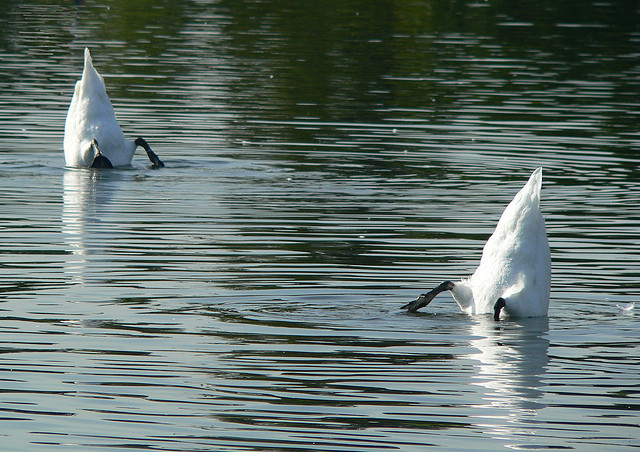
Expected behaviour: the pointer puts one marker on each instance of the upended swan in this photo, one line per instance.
(92, 136)
(514, 274)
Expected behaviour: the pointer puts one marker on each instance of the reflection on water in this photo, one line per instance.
(513, 358)
(87, 194)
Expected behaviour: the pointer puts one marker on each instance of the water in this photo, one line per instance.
(325, 164)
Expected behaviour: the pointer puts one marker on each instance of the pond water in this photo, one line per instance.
(326, 162)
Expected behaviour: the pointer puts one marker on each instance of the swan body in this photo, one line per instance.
(514, 274)
(92, 135)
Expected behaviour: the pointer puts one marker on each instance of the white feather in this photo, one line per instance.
(90, 117)
(626, 308)
(515, 263)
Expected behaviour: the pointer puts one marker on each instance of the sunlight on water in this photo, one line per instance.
(325, 165)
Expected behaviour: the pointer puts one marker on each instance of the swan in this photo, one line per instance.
(92, 136)
(514, 274)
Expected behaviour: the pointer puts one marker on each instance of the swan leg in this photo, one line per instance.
(99, 161)
(426, 298)
(157, 163)
(500, 303)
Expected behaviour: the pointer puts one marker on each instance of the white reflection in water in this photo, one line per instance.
(87, 194)
(512, 360)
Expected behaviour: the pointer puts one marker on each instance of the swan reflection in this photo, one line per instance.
(512, 360)
(87, 195)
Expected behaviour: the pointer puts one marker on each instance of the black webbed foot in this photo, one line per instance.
(426, 298)
(500, 303)
(157, 163)
(99, 161)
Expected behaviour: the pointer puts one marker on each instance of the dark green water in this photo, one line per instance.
(326, 162)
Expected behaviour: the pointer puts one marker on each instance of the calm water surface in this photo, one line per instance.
(326, 162)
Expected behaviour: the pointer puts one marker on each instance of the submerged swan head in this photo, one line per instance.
(92, 120)
(514, 274)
